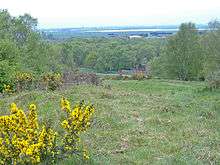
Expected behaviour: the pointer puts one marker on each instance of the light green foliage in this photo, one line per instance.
(107, 54)
(21, 48)
(90, 60)
(8, 64)
(190, 56)
(213, 80)
(211, 42)
(7, 72)
(183, 56)
(67, 57)
(157, 67)
(6, 24)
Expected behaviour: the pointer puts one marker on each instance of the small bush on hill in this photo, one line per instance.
(6, 75)
(23, 81)
(139, 75)
(80, 78)
(52, 81)
(213, 80)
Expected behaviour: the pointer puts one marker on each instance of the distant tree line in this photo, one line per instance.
(186, 55)
(109, 54)
(22, 48)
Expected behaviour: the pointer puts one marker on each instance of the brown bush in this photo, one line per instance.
(80, 78)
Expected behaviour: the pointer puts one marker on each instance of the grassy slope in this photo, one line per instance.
(141, 122)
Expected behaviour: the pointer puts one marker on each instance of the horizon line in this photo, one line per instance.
(120, 26)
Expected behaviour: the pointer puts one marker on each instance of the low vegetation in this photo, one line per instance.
(139, 122)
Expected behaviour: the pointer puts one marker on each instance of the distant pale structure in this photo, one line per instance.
(135, 36)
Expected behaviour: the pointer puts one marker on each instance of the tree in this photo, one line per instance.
(8, 63)
(211, 42)
(67, 59)
(183, 58)
(91, 59)
(6, 25)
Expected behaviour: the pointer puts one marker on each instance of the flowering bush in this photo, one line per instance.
(77, 121)
(139, 75)
(7, 89)
(23, 80)
(52, 81)
(23, 140)
(7, 70)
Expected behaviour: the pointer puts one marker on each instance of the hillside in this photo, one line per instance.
(140, 122)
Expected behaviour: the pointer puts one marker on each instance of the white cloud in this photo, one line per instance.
(53, 13)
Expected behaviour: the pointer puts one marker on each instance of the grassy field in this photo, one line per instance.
(140, 122)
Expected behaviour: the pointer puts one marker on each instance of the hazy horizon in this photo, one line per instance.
(100, 13)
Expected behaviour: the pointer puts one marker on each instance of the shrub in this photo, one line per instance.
(213, 80)
(52, 81)
(25, 141)
(80, 78)
(23, 80)
(125, 77)
(117, 77)
(6, 74)
(8, 89)
(139, 75)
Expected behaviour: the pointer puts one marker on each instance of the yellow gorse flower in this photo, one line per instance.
(7, 88)
(77, 121)
(23, 76)
(23, 141)
(14, 108)
(65, 105)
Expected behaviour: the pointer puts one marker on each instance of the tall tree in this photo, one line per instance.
(183, 53)
(211, 42)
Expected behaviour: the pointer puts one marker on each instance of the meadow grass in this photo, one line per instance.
(140, 122)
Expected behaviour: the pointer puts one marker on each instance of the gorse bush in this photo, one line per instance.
(139, 75)
(8, 89)
(16, 81)
(23, 80)
(23, 140)
(52, 81)
(48, 81)
(6, 74)
(77, 120)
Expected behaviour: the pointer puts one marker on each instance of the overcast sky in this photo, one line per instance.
(78, 13)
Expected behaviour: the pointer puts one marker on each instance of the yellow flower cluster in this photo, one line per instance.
(52, 76)
(7, 88)
(52, 80)
(23, 81)
(23, 141)
(78, 118)
(138, 75)
(77, 121)
(23, 76)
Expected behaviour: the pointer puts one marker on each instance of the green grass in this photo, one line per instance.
(141, 122)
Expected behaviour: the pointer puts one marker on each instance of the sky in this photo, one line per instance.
(99, 13)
